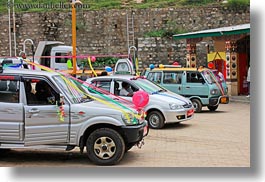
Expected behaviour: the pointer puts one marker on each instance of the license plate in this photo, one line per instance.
(190, 112)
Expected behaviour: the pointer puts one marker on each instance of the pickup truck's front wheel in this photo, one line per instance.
(105, 146)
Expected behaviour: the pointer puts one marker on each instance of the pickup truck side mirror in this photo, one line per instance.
(61, 100)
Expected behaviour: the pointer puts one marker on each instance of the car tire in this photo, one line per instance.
(212, 108)
(155, 120)
(197, 105)
(105, 146)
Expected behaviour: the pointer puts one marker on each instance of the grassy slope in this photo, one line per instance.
(98, 4)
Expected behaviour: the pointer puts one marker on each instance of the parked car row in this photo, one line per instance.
(53, 110)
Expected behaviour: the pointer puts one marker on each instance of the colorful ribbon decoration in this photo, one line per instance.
(60, 112)
(75, 87)
(216, 81)
(91, 67)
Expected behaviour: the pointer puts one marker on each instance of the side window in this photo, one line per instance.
(44, 94)
(151, 76)
(105, 85)
(9, 89)
(127, 89)
(172, 77)
(60, 59)
(30, 92)
(194, 77)
(154, 77)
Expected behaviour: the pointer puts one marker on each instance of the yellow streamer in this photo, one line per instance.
(137, 67)
(75, 87)
(91, 67)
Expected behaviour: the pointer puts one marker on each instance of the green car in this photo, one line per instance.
(202, 86)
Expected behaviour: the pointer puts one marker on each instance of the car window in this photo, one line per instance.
(147, 85)
(208, 76)
(9, 89)
(154, 76)
(40, 92)
(194, 77)
(172, 77)
(72, 89)
(105, 85)
(60, 57)
(119, 88)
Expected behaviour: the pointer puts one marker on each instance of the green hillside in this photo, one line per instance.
(64, 5)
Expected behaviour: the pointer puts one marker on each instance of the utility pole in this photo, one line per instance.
(14, 29)
(74, 33)
(9, 28)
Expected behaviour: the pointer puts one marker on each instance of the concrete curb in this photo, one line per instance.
(242, 99)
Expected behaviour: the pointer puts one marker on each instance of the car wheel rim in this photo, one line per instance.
(104, 147)
(154, 120)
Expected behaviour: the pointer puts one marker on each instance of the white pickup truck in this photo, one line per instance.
(40, 109)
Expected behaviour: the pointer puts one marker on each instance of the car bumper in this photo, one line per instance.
(135, 134)
(219, 100)
(178, 116)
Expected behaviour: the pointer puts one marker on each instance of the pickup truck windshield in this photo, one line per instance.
(148, 86)
(72, 90)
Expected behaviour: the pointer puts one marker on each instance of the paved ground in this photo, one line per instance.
(218, 139)
(210, 139)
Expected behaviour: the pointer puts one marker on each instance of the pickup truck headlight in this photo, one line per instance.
(175, 106)
(214, 92)
(129, 119)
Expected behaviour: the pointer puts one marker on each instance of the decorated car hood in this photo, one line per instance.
(170, 97)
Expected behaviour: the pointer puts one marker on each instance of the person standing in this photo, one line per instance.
(248, 81)
(69, 61)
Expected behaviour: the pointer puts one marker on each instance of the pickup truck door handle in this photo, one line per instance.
(34, 110)
(10, 111)
(188, 87)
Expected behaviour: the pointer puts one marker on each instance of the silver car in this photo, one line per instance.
(163, 107)
(39, 109)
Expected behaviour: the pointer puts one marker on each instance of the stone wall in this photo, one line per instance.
(105, 31)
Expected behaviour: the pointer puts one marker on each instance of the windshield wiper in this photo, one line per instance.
(159, 91)
(86, 99)
(162, 90)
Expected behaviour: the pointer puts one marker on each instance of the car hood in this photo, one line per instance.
(97, 108)
(170, 97)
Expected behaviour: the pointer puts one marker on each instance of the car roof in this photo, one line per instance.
(114, 76)
(177, 69)
(27, 72)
